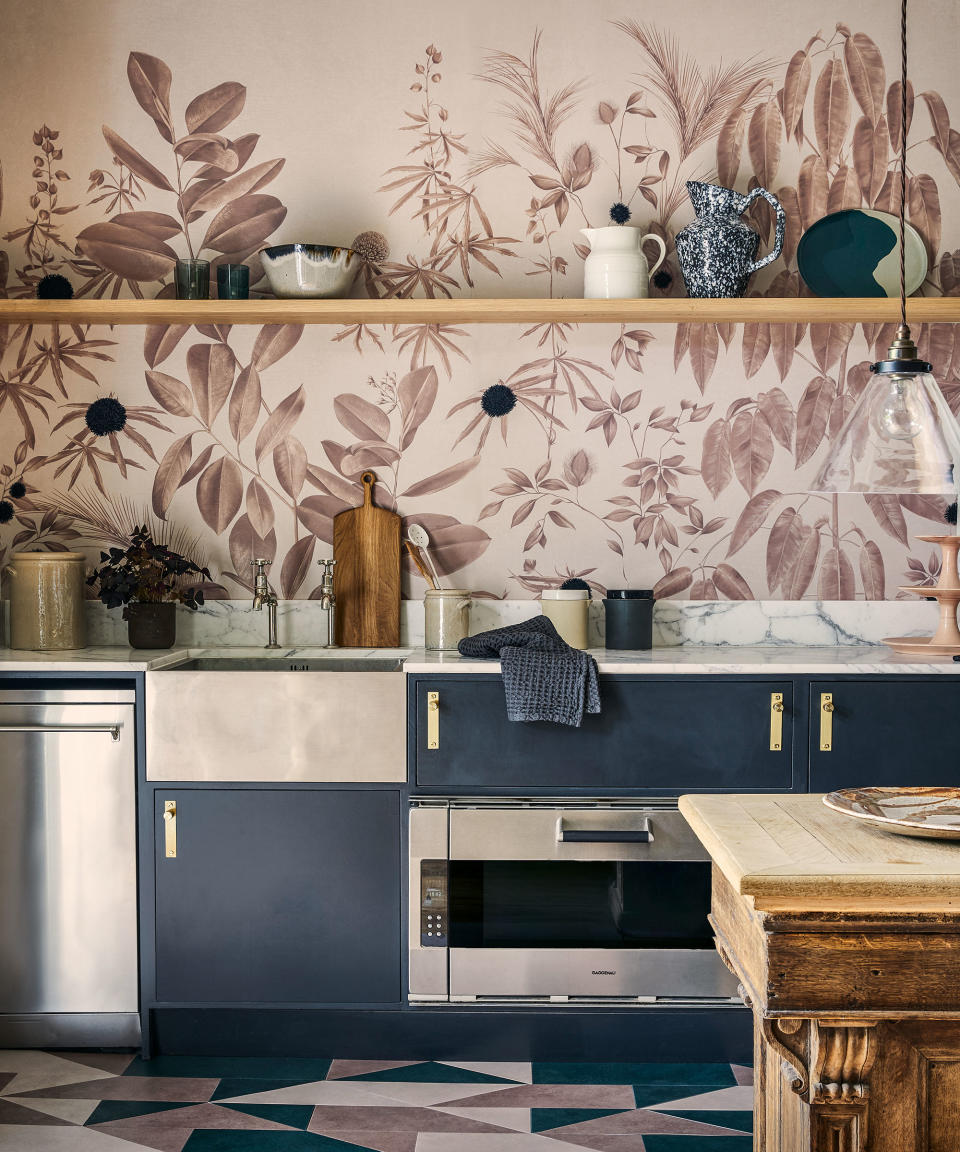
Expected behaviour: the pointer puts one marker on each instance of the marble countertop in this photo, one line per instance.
(728, 659)
(852, 659)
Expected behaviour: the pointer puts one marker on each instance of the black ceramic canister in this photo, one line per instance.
(629, 617)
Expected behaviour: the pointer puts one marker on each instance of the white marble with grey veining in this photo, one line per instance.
(687, 622)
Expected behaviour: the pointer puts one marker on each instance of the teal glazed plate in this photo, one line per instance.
(856, 253)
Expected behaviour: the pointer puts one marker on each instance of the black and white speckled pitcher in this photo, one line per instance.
(717, 251)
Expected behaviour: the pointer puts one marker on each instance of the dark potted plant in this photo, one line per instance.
(148, 579)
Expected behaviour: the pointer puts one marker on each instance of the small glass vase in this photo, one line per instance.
(233, 282)
(192, 279)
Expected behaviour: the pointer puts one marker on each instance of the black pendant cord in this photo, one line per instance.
(903, 162)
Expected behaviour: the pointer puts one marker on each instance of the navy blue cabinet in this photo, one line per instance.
(279, 896)
(653, 736)
(884, 732)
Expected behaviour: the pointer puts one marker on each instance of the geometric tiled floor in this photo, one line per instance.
(79, 1102)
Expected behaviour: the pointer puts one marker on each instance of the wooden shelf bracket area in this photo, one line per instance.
(466, 310)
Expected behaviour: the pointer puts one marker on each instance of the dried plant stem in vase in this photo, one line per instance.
(946, 640)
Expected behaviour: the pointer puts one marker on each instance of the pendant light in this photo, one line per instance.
(901, 435)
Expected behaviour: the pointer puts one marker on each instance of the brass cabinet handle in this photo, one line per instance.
(826, 721)
(776, 721)
(170, 828)
(433, 720)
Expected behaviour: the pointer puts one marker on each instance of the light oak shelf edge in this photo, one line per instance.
(473, 311)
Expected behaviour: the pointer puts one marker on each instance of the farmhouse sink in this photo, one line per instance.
(290, 664)
(286, 718)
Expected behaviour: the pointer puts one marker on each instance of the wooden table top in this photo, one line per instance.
(792, 852)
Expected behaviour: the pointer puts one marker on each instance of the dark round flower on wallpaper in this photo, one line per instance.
(18, 490)
(54, 287)
(498, 400)
(6, 511)
(106, 415)
(619, 213)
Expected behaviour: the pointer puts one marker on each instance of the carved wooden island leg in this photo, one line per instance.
(856, 1026)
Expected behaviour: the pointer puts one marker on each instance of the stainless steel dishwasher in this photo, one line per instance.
(68, 892)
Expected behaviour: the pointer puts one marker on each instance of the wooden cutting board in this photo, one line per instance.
(366, 547)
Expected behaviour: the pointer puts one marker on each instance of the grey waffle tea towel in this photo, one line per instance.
(543, 677)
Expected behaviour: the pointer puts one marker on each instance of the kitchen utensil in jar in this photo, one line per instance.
(417, 557)
(419, 535)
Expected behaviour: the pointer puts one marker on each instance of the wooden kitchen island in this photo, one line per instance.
(846, 942)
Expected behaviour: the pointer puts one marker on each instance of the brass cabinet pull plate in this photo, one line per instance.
(826, 721)
(433, 720)
(170, 828)
(776, 721)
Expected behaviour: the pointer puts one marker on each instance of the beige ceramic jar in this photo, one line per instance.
(46, 600)
(568, 608)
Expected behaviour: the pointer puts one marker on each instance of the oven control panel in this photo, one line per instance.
(433, 903)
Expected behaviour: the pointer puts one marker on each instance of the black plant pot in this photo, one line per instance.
(152, 625)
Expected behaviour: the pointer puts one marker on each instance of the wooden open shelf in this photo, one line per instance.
(473, 311)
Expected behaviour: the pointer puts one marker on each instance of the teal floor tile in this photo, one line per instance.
(296, 1069)
(209, 1140)
(714, 1075)
(430, 1072)
(293, 1115)
(649, 1095)
(108, 1110)
(231, 1086)
(661, 1143)
(542, 1119)
(742, 1121)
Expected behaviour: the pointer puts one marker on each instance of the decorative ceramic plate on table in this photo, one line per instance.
(930, 812)
(856, 253)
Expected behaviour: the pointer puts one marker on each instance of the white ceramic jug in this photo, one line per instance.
(616, 267)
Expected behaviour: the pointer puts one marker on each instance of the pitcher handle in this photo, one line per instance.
(663, 249)
(781, 226)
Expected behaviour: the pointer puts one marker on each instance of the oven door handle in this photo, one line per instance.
(641, 835)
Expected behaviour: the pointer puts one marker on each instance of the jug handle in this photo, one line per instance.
(781, 226)
(663, 249)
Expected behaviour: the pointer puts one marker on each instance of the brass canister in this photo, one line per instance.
(46, 601)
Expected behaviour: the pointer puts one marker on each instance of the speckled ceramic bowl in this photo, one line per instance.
(310, 271)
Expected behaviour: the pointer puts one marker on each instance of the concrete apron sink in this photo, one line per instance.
(290, 664)
(284, 718)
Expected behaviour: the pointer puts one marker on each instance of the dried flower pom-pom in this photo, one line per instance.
(6, 511)
(575, 584)
(372, 246)
(498, 400)
(619, 213)
(18, 489)
(106, 415)
(54, 287)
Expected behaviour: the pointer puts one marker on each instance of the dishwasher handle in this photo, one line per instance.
(58, 729)
(641, 835)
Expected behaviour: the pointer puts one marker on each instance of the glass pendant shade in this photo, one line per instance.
(899, 437)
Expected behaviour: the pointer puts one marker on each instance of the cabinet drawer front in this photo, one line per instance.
(656, 736)
(884, 733)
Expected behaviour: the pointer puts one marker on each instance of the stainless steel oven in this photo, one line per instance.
(559, 900)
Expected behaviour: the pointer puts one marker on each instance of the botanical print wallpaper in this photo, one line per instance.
(479, 141)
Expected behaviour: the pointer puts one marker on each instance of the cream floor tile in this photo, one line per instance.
(723, 1099)
(521, 1070)
(74, 1111)
(344, 1093)
(35, 1069)
(516, 1118)
(20, 1138)
(486, 1142)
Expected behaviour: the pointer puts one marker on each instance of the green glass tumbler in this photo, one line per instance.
(233, 282)
(192, 278)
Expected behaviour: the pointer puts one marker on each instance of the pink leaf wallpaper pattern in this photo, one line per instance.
(674, 457)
